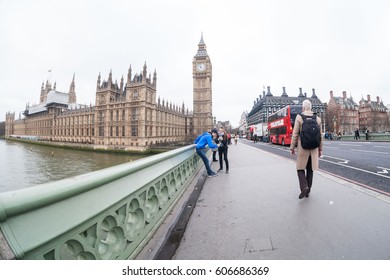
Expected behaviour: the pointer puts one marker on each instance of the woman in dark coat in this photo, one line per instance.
(223, 149)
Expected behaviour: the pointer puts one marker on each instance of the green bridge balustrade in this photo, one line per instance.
(378, 136)
(106, 214)
(372, 136)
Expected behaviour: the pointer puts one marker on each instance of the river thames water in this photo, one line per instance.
(25, 165)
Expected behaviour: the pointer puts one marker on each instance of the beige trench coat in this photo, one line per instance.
(303, 155)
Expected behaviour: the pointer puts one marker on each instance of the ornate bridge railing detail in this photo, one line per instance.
(106, 214)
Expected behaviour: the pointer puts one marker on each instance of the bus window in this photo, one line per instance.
(294, 111)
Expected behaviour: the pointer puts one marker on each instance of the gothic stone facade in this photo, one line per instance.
(133, 117)
(126, 116)
(202, 78)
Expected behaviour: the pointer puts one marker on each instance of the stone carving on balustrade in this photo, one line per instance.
(121, 228)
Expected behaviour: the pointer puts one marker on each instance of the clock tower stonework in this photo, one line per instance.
(202, 77)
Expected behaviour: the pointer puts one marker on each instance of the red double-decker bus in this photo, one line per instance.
(281, 124)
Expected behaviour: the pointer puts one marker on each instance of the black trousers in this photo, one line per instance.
(224, 152)
(306, 180)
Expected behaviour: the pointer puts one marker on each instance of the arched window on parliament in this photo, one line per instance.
(134, 130)
(135, 95)
(134, 114)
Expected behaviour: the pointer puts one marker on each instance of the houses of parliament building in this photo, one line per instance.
(125, 116)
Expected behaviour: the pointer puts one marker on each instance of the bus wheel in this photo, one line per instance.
(282, 142)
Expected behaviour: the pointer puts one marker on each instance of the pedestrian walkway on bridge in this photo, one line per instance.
(254, 213)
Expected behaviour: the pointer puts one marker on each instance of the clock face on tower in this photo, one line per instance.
(200, 67)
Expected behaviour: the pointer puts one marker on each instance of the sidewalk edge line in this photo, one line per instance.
(373, 192)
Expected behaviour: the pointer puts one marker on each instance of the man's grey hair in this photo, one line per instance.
(306, 105)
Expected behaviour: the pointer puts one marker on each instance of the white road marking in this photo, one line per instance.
(345, 161)
(352, 145)
(384, 170)
(373, 152)
(359, 169)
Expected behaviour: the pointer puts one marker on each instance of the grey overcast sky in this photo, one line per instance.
(339, 45)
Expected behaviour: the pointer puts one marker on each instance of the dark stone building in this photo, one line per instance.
(268, 104)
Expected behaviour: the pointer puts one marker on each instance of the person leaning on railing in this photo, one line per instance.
(203, 140)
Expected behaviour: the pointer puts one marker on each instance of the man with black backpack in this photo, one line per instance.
(307, 137)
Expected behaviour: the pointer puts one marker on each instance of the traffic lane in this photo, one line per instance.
(372, 165)
(366, 160)
(337, 165)
(383, 146)
(366, 157)
(372, 170)
(368, 151)
(370, 162)
(366, 176)
(380, 148)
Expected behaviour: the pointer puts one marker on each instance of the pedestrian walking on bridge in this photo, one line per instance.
(307, 159)
(357, 134)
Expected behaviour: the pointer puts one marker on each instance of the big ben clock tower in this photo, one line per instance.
(202, 76)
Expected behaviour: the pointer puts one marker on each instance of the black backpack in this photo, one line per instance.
(310, 132)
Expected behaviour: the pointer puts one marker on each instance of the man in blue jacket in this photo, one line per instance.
(200, 145)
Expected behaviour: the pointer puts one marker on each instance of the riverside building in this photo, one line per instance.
(125, 116)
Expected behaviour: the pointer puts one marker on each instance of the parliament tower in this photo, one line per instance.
(202, 77)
